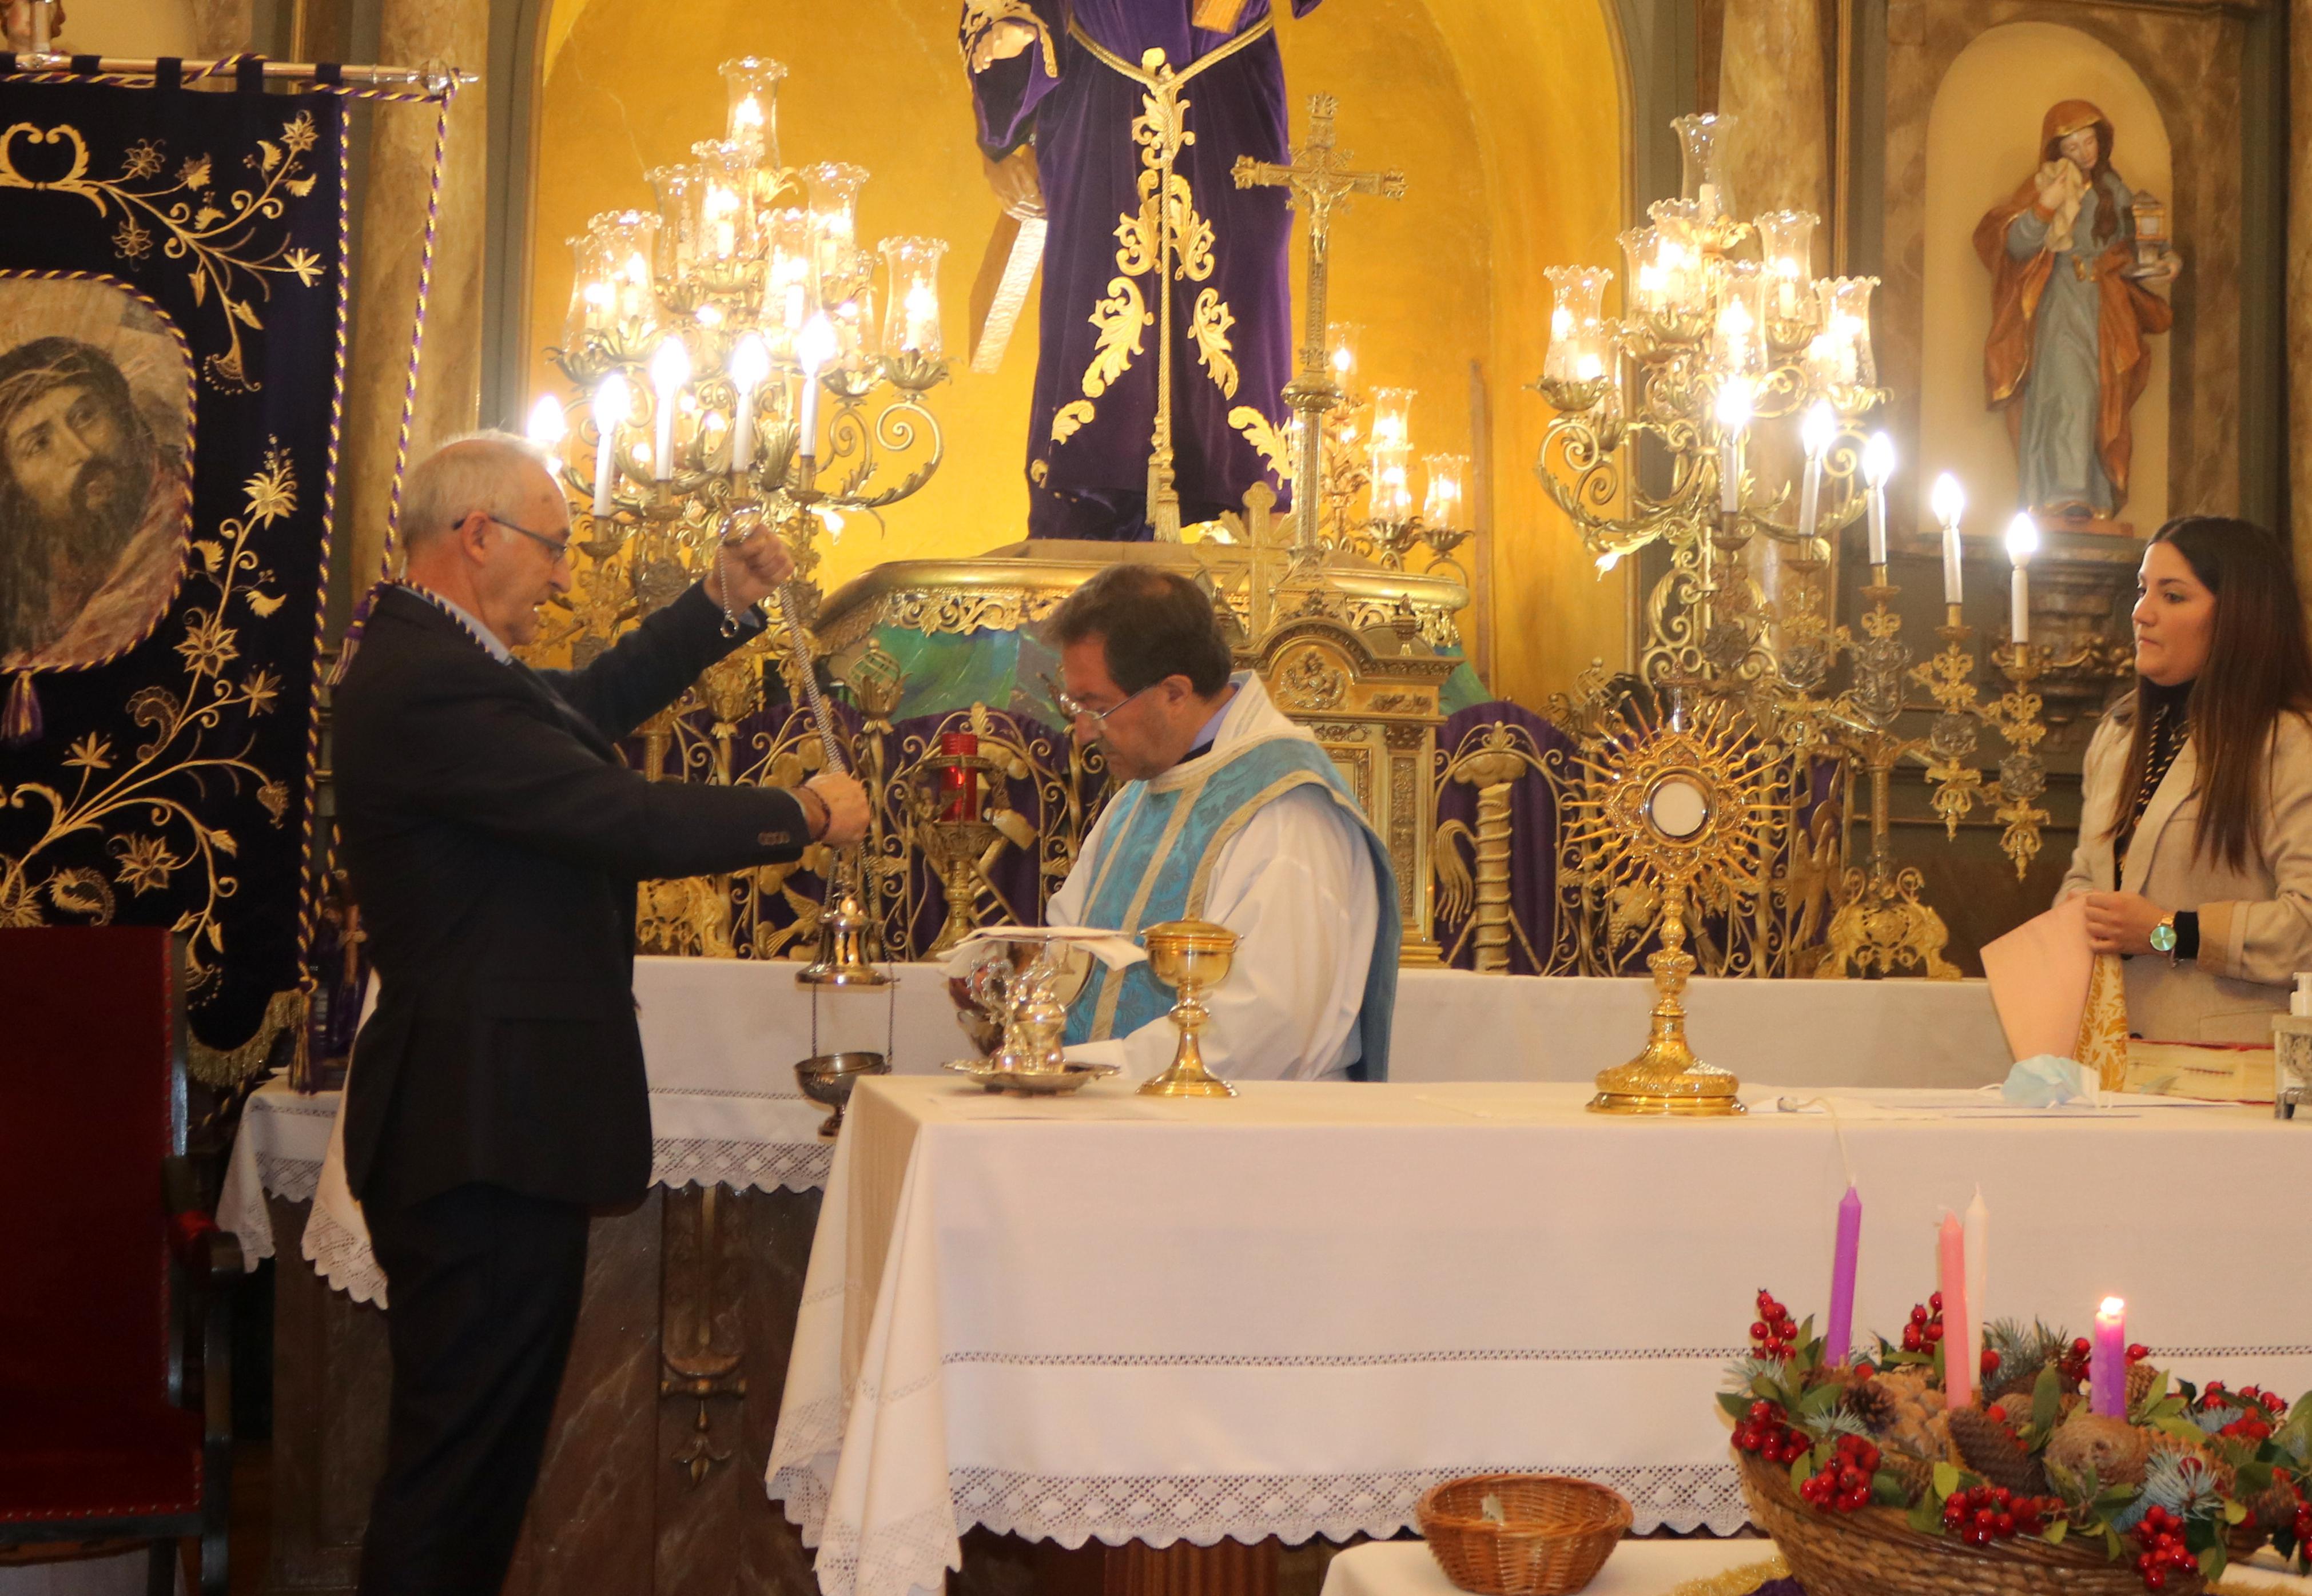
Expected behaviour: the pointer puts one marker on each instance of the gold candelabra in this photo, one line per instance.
(1672, 422)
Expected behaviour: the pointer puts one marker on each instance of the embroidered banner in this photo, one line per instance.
(171, 357)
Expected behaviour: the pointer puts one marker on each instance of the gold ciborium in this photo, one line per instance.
(1189, 956)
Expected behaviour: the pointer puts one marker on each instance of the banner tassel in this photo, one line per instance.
(20, 726)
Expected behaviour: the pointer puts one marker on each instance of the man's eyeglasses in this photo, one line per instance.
(1076, 709)
(559, 548)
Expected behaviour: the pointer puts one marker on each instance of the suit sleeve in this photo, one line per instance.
(649, 667)
(488, 757)
(2268, 940)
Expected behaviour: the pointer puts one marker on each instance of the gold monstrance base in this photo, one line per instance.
(1666, 1077)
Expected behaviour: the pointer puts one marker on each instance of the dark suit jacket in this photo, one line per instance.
(494, 842)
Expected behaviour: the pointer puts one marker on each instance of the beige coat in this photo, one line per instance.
(2255, 922)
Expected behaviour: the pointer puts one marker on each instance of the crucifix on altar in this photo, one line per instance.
(1321, 183)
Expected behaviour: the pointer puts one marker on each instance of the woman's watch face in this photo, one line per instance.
(2163, 936)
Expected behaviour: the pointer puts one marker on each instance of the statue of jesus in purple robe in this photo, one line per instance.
(1058, 86)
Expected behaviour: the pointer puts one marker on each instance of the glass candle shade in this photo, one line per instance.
(834, 213)
(857, 334)
(911, 319)
(1641, 271)
(791, 294)
(753, 84)
(1392, 482)
(1737, 337)
(1786, 251)
(612, 292)
(1679, 257)
(959, 784)
(591, 292)
(1440, 506)
(726, 210)
(678, 188)
(1340, 341)
(1577, 319)
(1702, 142)
(1844, 343)
(1392, 417)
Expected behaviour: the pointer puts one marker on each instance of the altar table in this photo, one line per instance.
(1289, 1314)
(721, 1036)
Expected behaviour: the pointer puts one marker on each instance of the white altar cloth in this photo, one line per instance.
(721, 1036)
(1291, 1313)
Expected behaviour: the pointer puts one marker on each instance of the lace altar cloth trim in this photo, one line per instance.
(295, 1179)
(763, 1166)
(1296, 1507)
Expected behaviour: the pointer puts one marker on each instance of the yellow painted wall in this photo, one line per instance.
(1505, 115)
(1982, 140)
(135, 28)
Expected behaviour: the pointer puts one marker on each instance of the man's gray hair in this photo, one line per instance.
(482, 471)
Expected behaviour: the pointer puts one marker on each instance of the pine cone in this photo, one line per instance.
(2274, 1508)
(2140, 1379)
(1917, 1424)
(1991, 1449)
(2113, 1448)
(1873, 1403)
(1917, 1473)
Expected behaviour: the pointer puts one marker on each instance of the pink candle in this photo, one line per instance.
(1839, 1336)
(1958, 1380)
(2107, 1369)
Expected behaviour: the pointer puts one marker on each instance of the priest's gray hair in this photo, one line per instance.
(487, 471)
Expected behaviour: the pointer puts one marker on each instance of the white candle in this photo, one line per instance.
(1733, 421)
(1878, 466)
(814, 347)
(2022, 543)
(669, 369)
(1978, 1273)
(1820, 427)
(609, 415)
(751, 363)
(1949, 503)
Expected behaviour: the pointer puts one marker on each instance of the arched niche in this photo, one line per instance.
(1982, 140)
(1507, 118)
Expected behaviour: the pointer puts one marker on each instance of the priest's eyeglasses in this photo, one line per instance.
(1075, 709)
(559, 548)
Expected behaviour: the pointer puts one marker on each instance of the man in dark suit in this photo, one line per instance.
(494, 841)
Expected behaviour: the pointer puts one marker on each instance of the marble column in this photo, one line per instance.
(2300, 279)
(1770, 78)
(412, 33)
(222, 27)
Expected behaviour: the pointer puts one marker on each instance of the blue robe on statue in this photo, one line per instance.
(1074, 92)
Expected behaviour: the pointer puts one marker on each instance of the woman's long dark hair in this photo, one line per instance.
(2258, 669)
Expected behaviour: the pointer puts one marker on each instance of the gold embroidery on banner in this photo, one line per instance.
(214, 232)
(979, 16)
(1119, 318)
(1210, 328)
(150, 821)
(1068, 418)
(1271, 441)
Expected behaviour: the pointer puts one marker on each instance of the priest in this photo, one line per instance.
(1228, 813)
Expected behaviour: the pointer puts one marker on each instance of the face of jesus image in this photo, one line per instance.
(76, 465)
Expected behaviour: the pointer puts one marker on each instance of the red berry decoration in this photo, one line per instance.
(2161, 1553)
(1926, 1326)
(1982, 1514)
(1990, 1362)
(1772, 1334)
(1843, 1485)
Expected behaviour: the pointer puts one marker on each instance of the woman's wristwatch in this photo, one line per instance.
(2177, 935)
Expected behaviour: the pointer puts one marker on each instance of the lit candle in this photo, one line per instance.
(1949, 503)
(1877, 465)
(1733, 420)
(1839, 1338)
(2107, 1366)
(609, 415)
(815, 345)
(1978, 1275)
(751, 363)
(1820, 427)
(1958, 1380)
(547, 428)
(921, 309)
(2022, 543)
(669, 369)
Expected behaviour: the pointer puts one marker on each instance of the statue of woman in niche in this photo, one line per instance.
(2070, 308)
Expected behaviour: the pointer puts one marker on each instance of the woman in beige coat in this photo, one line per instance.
(2195, 830)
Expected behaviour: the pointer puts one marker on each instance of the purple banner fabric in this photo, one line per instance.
(1533, 838)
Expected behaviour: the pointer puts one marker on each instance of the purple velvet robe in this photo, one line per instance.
(1091, 482)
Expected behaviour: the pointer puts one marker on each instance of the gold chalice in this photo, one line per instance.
(1189, 956)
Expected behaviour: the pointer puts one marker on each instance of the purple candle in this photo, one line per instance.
(2107, 1368)
(1838, 1337)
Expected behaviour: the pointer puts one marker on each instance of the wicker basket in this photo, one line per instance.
(1553, 1536)
(1875, 1552)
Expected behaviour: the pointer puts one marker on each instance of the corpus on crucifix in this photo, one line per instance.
(1166, 327)
(1321, 181)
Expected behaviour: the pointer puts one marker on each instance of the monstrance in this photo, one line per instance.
(1682, 810)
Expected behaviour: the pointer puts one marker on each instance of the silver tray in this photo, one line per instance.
(1030, 1083)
